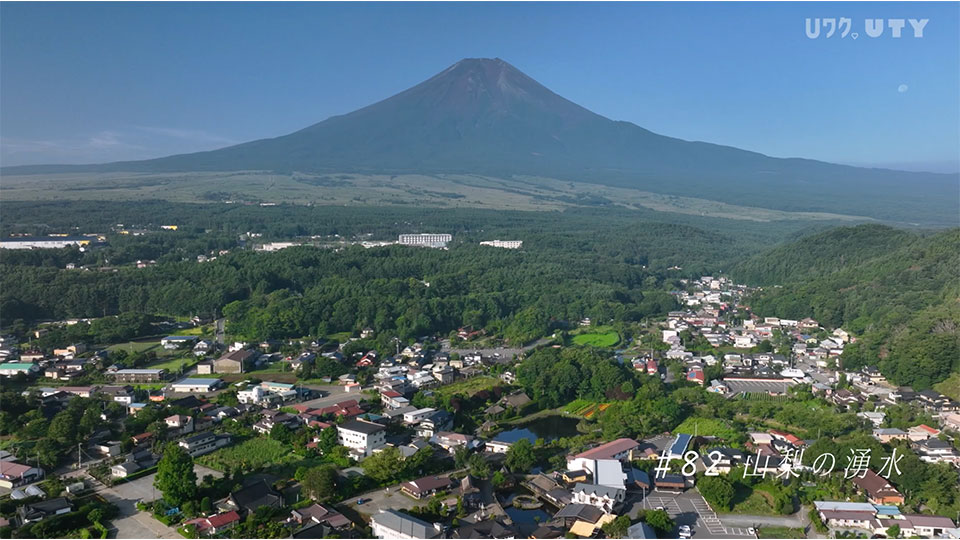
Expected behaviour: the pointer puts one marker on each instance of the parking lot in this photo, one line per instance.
(689, 508)
(758, 386)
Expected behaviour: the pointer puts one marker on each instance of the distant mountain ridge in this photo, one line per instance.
(485, 117)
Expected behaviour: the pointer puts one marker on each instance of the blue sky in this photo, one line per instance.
(93, 82)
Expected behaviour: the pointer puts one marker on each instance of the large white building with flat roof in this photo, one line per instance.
(506, 244)
(425, 240)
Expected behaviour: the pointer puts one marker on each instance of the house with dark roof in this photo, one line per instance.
(486, 528)
(877, 489)
(318, 513)
(38, 511)
(426, 486)
(249, 498)
(574, 512)
(361, 437)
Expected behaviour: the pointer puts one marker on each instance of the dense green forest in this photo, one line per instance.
(609, 266)
(570, 267)
(897, 291)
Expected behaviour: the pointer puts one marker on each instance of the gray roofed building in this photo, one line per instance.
(578, 511)
(393, 524)
(641, 530)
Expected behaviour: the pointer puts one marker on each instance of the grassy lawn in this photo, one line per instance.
(599, 337)
(748, 501)
(195, 331)
(781, 532)
(173, 365)
(137, 347)
(250, 454)
(150, 386)
(340, 337)
(468, 387)
(707, 426)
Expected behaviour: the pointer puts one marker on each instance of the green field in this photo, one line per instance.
(708, 426)
(781, 532)
(597, 338)
(174, 365)
(137, 347)
(469, 386)
(751, 502)
(250, 454)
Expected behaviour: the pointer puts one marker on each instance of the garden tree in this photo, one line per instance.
(478, 466)
(206, 506)
(328, 439)
(617, 528)
(63, 428)
(320, 483)
(175, 476)
(461, 456)
(96, 515)
(893, 531)
(384, 466)
(498, 480)
(282, 433)
(420, 460)
(189, 508)
(661, 522)
(227, 398)
(520, 456)
(717, 491)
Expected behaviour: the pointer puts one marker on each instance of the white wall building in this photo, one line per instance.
(362, 437)
(425, 240)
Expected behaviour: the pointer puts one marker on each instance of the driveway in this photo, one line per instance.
(382, 499)
(132, 523)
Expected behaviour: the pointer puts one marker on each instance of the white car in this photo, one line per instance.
(752, 531)
(685, 531)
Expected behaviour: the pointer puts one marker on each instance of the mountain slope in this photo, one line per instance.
(899, 293)
(483, 116)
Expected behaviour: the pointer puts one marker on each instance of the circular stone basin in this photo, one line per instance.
(526, 502)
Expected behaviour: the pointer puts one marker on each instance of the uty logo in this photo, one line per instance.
(872, 27)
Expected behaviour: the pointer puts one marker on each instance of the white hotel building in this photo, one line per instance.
(425, 240)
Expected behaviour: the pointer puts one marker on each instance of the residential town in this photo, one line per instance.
(448, 438)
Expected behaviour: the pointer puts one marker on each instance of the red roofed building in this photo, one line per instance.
(603, 457)
(347, 409)
(215, 524)
(16, 474)
(652, 367)
(696, 375)
(784, 436)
